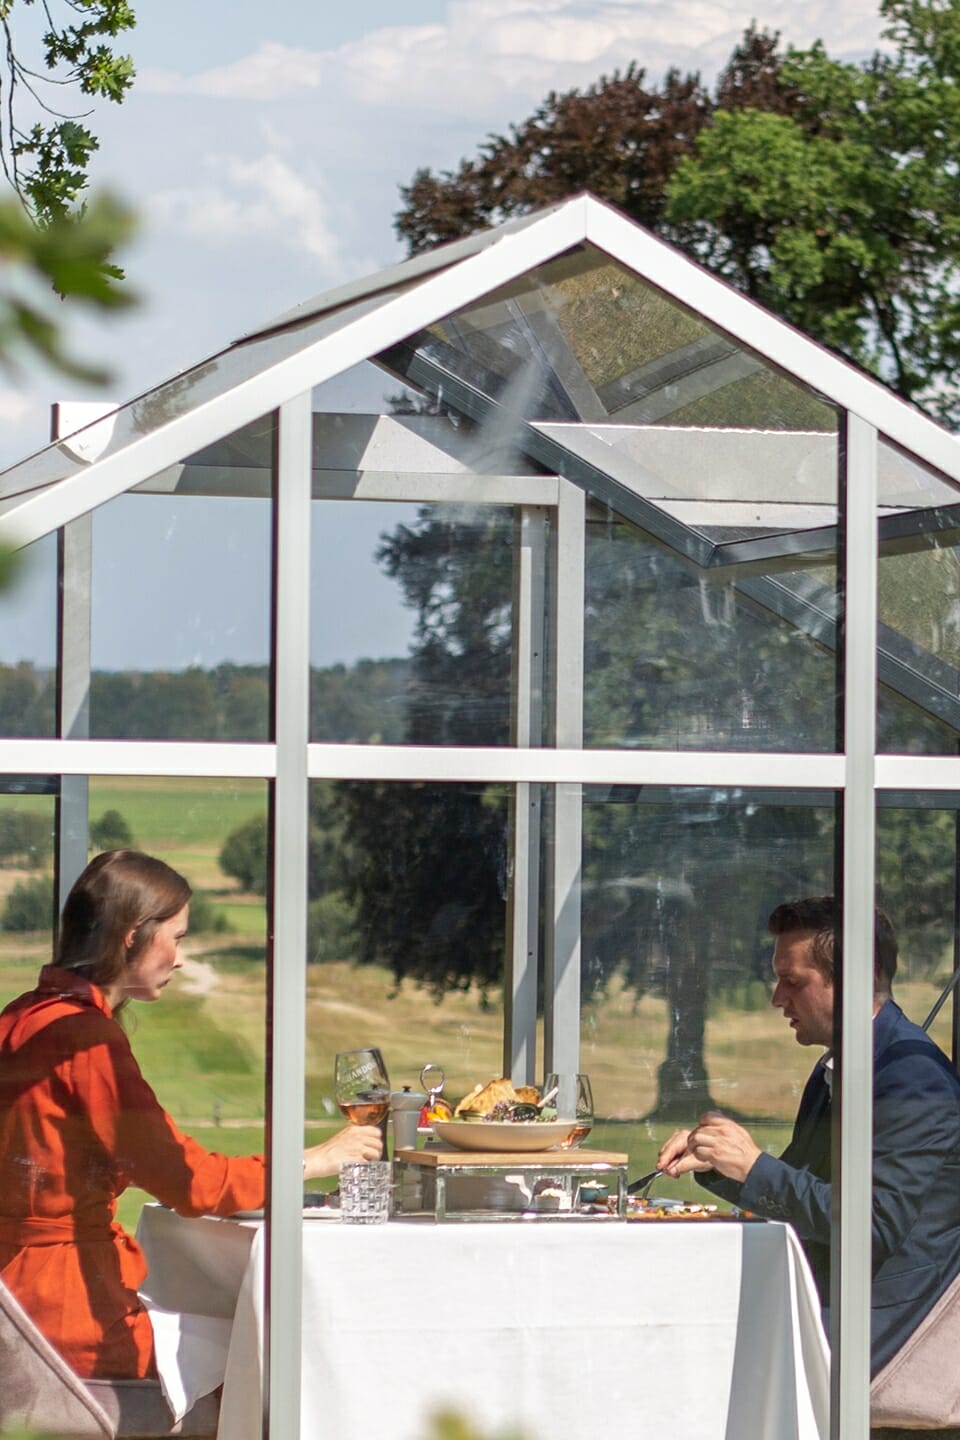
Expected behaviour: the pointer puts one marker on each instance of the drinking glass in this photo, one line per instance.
(361, 1086)
(365, 1191)
(573, 1102)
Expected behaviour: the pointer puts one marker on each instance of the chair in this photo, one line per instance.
(39, 1391)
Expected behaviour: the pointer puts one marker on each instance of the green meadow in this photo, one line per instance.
(203, 1046)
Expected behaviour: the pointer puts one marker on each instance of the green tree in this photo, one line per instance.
(30, 905)
(110, 832)
(49, 230)
(825, 190)
(243, 855)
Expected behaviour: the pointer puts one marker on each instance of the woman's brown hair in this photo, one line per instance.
(120, 891)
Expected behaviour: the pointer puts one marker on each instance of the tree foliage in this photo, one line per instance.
(825, 190)
(54, 241)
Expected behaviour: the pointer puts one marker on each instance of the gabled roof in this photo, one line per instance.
(375, 318)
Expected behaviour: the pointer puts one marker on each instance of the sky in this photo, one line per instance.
(263, 145)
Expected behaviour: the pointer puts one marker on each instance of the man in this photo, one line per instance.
(916, 1134)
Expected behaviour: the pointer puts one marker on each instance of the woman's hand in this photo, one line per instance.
(354, 1142)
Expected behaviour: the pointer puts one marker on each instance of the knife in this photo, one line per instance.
(644, 1182)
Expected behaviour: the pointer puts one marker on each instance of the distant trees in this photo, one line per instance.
(29, 905)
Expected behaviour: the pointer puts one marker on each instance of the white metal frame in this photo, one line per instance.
(291, 761)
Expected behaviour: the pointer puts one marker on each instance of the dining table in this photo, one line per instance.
(553, 1329)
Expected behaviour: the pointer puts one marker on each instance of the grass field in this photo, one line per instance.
(203, 1046)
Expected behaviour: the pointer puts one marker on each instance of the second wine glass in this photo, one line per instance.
(361, 1086)
(573, 1099)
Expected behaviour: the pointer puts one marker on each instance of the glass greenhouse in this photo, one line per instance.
(517, 626)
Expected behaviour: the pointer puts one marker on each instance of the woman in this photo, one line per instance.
(78, 1123)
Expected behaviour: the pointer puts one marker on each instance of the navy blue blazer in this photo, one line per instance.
(916, 1180)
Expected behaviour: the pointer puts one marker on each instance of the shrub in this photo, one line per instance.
(25, 836)
(29, 906)
(110, 832)
(205, 918)
(330, 929)
(244, 855)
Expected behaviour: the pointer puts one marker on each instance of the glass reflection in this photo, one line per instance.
(583, 338)
(431, 588)
(916, 885)
(918, 601)
(28, 645)
(27, 839)
(180, 607)
(678, 659)
(408, 897)
(676, 1012)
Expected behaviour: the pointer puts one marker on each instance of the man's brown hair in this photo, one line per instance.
(822, 917)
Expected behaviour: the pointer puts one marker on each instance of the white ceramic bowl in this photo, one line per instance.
(504, 1136)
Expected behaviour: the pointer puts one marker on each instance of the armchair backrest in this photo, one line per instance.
(38, 1390)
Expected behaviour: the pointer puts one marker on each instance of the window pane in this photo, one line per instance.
(582, 338)
(181, 600)
(677, 986)
(411, 616)
(28, 645)
(27, 833)
(918, 602)
(679, 658)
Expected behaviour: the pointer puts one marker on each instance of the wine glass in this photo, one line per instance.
(361, 1086)
(574, 1102)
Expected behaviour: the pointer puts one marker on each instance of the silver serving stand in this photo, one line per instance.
(459, 1185)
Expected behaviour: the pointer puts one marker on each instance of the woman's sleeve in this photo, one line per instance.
(144, 1145)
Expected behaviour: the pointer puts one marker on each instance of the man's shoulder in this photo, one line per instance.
(905, 1048)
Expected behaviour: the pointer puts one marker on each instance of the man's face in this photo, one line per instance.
(803, 992)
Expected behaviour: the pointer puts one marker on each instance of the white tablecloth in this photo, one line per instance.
(710, 1331)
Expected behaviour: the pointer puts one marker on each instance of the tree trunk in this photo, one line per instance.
(683, 1085)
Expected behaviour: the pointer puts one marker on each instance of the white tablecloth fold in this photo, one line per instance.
(192, 1355)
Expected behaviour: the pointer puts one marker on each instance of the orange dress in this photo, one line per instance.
(78, 1124)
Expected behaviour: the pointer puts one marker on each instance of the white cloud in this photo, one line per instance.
(246, 199)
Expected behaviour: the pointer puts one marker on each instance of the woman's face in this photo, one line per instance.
(145, 977)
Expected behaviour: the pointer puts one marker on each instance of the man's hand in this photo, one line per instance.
(676, 1158)
(355, 1142)
(722, 1145)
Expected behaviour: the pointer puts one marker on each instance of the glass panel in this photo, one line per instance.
(27, 838)
(676, 1016)
(678, 658)
(583, 338)
(917, 886)
(102, 1142)
(918, 602)
(28, 645)
(181, 600)
(411, 616)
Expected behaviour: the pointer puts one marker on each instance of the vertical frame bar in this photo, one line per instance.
(853, 1020)
(526, 726)
(288, 971)
(565, 853)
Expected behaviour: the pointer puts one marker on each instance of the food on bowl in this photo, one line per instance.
(439, 1109)
(498, 1100)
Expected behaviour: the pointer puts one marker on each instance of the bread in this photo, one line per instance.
(482, 1098)
(528, 1094)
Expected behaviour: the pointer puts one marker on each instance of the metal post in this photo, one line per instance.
(526, 710)
(74, 597)
(564, 852)
(853, 1024)
(289, 919)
